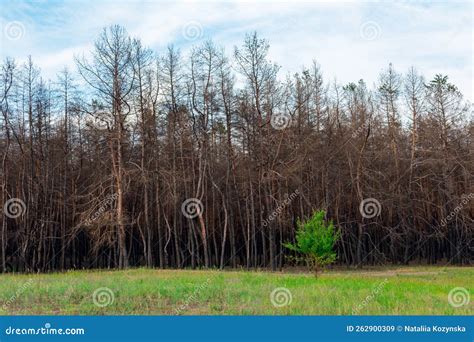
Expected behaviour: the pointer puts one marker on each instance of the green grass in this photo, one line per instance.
(388, 291)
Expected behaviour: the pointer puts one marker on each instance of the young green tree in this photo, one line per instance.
(315, 240)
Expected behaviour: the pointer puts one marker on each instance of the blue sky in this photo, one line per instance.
(350, 40)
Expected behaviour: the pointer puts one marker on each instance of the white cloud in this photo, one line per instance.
(435, 37)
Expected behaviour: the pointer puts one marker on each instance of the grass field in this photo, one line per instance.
(388, 291)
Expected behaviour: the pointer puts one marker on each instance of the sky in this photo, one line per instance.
(350, 40)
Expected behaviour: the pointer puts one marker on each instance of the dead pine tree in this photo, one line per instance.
(111, 74)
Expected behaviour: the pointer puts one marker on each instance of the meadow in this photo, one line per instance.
(387, 291)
